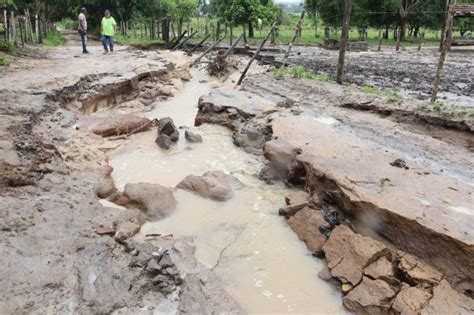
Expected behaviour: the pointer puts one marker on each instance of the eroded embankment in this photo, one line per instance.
(402, 202)
(56, 250)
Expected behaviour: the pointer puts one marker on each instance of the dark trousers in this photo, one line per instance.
(110, 40)
(84, 40)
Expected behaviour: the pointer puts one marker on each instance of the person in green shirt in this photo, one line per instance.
(107, 30)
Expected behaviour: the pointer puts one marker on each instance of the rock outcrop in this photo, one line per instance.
(410, 300)
(370, 297)
(306, 224)
(348, 253)
(215, 185)
(446, 300)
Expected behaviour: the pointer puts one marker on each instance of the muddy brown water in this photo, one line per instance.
(262, 263)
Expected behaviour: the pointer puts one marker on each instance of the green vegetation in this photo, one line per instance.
(53, 39)
(369, 89)
(3, 62)
(438, 106)
(7, 47)
(295, 71)
(393, 95)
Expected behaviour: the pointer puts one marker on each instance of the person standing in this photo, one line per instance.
(83, 29)
(107, 30)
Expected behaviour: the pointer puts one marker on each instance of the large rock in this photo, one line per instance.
(417, 271)
(215, 185)
(167, 133)
(410, 301)
(280, 153)
(348, 253)
(421, 211)
(296, 197)
(120, 124)
(446, 300)
(382, 269)
(370, 297)
(154, 200)
(227, 107)
(306, 224)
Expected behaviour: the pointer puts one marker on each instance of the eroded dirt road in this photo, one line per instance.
(399, 180)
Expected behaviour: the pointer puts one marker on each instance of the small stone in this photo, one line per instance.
(192, 137)
(346, 287)
(289, 211)
(164, 142)
(166, 262)
(106, 231)
(127, 230)
(417, 270)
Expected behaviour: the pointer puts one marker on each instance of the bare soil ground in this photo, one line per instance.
(53, 258)
(410, 70)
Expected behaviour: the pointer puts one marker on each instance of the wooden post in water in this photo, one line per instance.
(297, 31)
(242, 76)
(442, 56)
(344, 36)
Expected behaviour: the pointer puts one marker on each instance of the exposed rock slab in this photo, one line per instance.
(215, 185)
(296, 197)
(228, 107)
(348, 253)
(410, 301)
(446, 300)
(420, 210)
(381, 269)
(306, 224)
(154, 200)
(370, 297)
(120, 124)
(417, 271)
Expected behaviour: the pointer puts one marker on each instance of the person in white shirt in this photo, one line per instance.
(83, 29)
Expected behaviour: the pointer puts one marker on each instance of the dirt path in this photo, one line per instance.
(53, 259)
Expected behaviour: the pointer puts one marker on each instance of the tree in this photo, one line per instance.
(246, 12)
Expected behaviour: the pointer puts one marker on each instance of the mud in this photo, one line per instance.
(410, 70)
(56, 252)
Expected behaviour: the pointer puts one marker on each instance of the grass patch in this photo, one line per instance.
(53, 39)
(7, 47)
(3, 62)
(369, 89)
(393, 95)
(298, 72)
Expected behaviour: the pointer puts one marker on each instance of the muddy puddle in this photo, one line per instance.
(262, 263)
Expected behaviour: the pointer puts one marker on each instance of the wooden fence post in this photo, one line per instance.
(442, 56)
(5, 24)
(13, 27)
(380, 40)
(398, 39)
(344, 36)
(297, 29)
(242, 76)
